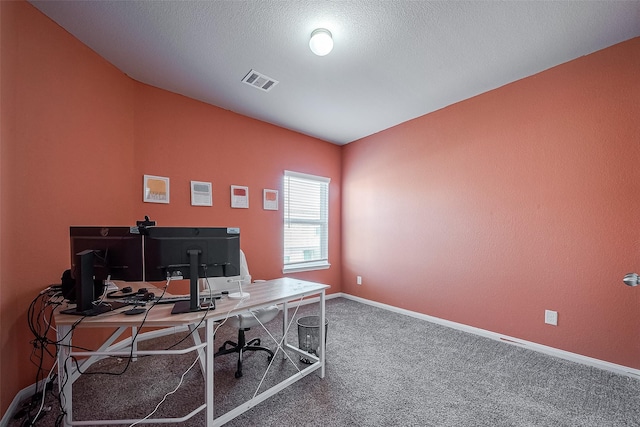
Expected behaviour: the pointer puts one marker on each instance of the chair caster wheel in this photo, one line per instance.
(238, 374)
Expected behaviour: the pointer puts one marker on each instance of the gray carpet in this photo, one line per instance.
(382, 369)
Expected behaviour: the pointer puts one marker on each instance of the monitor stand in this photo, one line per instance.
(195, 303)
(97, 309)
(180, 307)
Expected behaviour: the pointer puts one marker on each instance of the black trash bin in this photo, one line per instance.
(309, 335)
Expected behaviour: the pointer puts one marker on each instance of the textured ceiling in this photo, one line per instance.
(392, 60)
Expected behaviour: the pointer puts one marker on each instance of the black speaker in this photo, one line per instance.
(85, 287)
(68, 286)
(86, 290)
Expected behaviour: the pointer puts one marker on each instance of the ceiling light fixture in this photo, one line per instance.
(321, 42)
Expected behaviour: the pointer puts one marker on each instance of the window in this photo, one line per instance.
(306, 222)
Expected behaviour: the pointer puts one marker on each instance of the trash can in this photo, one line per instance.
(309, 335)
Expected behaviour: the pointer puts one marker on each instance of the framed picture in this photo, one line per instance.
(270, 200)
(201, 194)
(156, 189)
(239, 197)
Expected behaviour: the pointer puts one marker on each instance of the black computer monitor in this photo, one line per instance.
(118, 251)
(100, 253)
(191, 253)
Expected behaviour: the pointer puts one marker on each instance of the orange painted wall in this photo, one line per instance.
(519, 200)
(486, 213)
(66, 158)
(77, 137)
(187, 140)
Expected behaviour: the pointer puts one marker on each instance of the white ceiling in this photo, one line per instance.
(392, 60)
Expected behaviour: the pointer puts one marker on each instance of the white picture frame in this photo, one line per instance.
(201, 193)
(155, 189)
(239, 197)
(269, 199)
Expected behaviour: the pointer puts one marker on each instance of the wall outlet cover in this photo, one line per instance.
(551, 317)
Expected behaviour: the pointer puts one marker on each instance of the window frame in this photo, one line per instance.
(316, 264)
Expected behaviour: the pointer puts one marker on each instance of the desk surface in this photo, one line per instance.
(159, 315)
(262, 294)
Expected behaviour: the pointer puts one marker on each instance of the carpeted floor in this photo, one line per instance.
(383, 369)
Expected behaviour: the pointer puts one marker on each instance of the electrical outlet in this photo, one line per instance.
(358, 280)
(551, 317)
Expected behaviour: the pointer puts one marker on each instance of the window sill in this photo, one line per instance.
(323, 265)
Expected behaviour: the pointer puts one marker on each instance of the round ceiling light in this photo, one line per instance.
(321, 42)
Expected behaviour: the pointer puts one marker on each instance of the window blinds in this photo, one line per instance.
(306, 221)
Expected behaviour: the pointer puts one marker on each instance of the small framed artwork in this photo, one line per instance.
(201, 194)
(239, 197)
(156, 189)
(270, 200)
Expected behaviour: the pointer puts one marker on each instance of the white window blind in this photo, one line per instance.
(306, 222)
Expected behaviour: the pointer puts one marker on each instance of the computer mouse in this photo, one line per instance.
(148, 296)
(133, 311)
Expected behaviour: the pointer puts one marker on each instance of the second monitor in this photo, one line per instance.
(191, 253)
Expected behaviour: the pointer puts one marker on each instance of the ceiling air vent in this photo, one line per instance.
(259, 81)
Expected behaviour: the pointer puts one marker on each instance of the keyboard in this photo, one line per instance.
(171, 299)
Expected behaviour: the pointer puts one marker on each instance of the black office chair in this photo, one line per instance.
(245, 322)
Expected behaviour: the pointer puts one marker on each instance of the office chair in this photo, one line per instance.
(244, 322)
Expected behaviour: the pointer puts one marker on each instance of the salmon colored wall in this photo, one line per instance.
(485, 213)
(77, 137)
(67, 158)
(519, 200)
(187, 140)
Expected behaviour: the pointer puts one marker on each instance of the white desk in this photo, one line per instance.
(278, 291)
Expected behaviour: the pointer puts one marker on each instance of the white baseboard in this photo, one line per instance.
(22, 395)
(562, 354)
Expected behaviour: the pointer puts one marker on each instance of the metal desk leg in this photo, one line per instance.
(322, 334)
(285, 322)
(65, 380)
(201, 353)
(208, 382)
(134, 343)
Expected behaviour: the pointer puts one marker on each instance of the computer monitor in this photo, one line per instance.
(100, 253)
(191, 253)
(118, 251)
